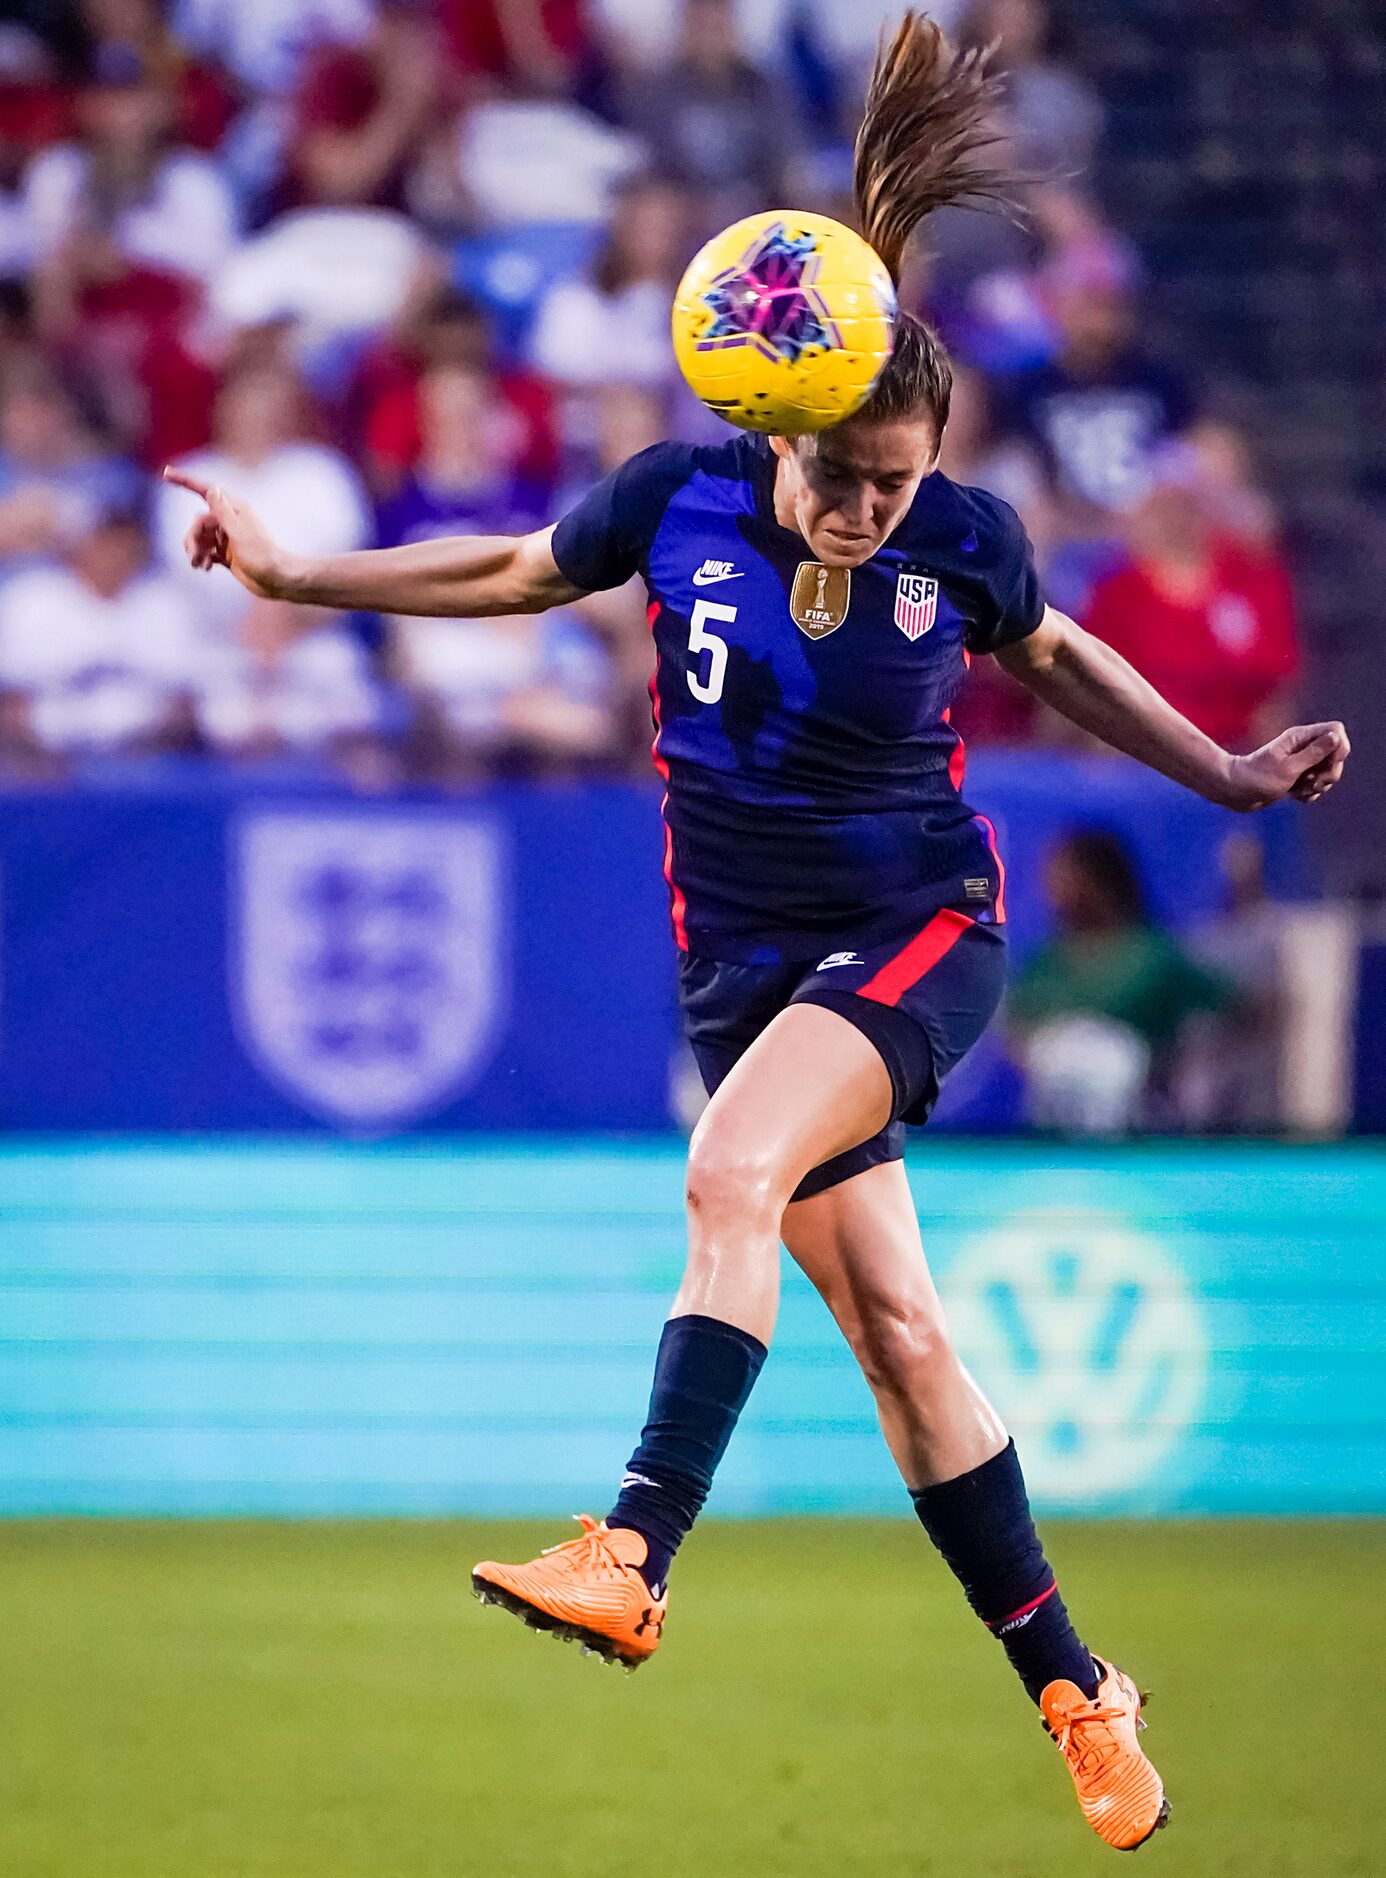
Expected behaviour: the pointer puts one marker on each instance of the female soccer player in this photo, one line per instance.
(839, 909)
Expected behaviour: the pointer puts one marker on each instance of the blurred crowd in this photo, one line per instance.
(397, 268)
(1121, 1027)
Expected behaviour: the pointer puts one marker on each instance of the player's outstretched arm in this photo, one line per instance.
(459, 577)
(1094, 687)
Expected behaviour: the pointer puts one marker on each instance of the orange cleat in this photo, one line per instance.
(588, 1591)
(1122, 1796)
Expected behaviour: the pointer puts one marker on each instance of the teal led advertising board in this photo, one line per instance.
(217, 1328)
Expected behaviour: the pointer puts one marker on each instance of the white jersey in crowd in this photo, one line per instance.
(847, 30)
(100, 674)
(310, 494)
(188, 223)
(320, 688)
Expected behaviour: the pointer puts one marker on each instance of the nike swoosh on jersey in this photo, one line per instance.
(700, 579)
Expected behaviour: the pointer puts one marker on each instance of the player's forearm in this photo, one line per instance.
(459, 577)
(1094, 687)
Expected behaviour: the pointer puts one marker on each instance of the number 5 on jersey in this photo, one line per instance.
(708, 689)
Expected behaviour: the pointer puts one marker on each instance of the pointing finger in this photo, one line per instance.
(181, 480)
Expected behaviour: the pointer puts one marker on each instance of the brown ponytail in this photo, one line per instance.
(927, 137)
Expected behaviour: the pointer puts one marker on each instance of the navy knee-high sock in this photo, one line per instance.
(703, 1375)
(981, 1524)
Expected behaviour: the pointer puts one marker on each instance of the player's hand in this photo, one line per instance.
(1303, 763)
(230, 534)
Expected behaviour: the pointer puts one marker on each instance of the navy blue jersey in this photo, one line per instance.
(801, 713)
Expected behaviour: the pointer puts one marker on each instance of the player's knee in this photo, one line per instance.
(731, 1175)
(903, 1349)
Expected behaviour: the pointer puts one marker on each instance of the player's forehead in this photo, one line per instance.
(875, 452)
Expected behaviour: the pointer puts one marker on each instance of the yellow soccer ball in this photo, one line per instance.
(784, 321)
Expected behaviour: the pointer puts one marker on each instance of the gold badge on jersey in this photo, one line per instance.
(820, 598)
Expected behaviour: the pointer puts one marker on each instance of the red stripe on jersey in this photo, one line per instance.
(921, 955)
(957, 763)
(651, 615)
(1000, 870)
(678, 906)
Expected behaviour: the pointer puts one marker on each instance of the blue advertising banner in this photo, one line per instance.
(188, 956)
(417, 1328)
(201, 961)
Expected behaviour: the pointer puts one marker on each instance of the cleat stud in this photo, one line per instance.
(591, 1643)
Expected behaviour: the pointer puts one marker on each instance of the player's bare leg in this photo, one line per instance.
(810, 1087)
(859, 1242)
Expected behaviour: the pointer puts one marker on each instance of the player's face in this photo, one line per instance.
(847, 489)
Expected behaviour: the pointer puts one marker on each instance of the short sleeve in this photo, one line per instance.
(1012, 603)
(607, 537)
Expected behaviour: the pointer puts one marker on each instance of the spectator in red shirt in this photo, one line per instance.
(443, 327)
(463, 482)
(1207, 618)
(125, 224)
(36, 109)
(126, 326)
(536, 43)
(361, 114)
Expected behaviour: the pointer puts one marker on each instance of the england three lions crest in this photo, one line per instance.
(366, 964)
(916, 604)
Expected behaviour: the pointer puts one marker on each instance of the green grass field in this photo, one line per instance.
(326, 1701)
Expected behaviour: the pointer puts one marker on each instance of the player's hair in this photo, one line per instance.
(928, 139)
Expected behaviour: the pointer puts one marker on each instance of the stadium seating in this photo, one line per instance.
(1247, 166)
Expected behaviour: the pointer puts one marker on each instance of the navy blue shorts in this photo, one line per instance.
(923, 1000)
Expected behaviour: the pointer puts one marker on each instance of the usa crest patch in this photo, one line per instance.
(916, 604)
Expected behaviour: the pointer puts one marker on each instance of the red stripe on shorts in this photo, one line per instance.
(921, 955)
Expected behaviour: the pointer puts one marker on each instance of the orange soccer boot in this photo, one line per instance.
(1122, 1796)
(588, 1591)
